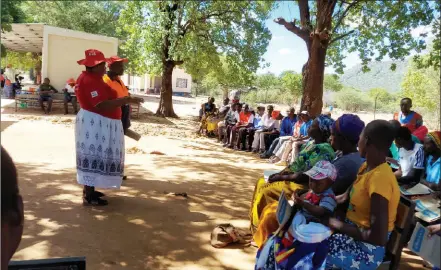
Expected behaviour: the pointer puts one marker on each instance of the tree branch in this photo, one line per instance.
(178, 62)
(341, 36)
(343, 15)
(291, 26)
(305, 17)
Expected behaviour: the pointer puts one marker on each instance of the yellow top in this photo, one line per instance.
(380, 180)
(117, 85)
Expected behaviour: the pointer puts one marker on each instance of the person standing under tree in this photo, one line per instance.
(99, 133)
(408, 118)
(112, 78)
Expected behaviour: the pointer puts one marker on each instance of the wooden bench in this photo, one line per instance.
(31, 99)
(399, 236)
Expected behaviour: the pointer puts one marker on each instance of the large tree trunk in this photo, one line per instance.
(312, 80)
(224, 92)
(165, 108)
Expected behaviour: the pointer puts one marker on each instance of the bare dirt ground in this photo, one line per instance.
(143, 227)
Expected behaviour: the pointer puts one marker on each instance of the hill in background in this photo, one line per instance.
(380, 76)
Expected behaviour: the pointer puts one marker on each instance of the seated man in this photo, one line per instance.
(268, 126)
(271, 135)
(224, 129)
(45, 91)
(411, 158)
(246, 119)
(257, 124)
(69, 96)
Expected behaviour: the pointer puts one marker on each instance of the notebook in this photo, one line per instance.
(418, 189)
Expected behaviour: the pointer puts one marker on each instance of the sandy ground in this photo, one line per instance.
(142, 227)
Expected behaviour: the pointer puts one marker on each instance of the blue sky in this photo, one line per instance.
(286, 51)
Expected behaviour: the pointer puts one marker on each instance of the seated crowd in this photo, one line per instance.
(342, 174)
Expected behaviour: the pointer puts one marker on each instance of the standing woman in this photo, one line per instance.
(99, 132)
(112, 79)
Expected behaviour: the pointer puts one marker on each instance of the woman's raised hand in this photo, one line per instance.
(135, 100)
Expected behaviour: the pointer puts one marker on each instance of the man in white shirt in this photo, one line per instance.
(268, 126)
(411, 158)
(69, 95)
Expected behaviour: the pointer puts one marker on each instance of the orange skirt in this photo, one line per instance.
(264, 206)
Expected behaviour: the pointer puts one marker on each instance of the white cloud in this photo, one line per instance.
(285, 51)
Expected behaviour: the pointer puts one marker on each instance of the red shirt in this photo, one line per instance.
(91, 90)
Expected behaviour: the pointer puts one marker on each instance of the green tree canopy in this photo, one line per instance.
(164, 34)
(331, 83)
(10, 13)
(382, 95)
(423, 87)
(96, 17)
(433, 58)
(292, 83)
(373, 29)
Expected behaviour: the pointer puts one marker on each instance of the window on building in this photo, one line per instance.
(181, 83)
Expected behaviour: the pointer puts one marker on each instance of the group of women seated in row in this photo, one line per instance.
(365, 191)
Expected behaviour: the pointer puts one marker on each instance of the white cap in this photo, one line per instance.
(304, 112)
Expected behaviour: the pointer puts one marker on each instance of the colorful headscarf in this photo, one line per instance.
(325, 124)
(350, 126)
(435, 136)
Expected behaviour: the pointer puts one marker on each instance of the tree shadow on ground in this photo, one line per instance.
(143, 227)
(6, 124)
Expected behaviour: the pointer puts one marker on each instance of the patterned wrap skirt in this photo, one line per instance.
(99, 150)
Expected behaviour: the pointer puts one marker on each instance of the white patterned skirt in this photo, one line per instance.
(99, 150)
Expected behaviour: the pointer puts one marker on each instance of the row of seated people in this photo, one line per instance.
(239, 127)
(352, 190)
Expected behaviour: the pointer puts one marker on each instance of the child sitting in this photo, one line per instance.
(301, 242)
(319, 201)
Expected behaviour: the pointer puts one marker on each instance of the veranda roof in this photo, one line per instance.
(24, 37)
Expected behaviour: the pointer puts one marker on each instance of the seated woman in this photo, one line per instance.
(207, 109)
(293, 146)
(373, 201)
(344, 139)
(218, 116)
(292, 178)
(432, 148)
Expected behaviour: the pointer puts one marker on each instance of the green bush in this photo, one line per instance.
(353, 100)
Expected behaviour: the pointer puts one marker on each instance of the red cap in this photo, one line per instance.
(93, 58)
(114, 59)
(71, 81)
(275, 114)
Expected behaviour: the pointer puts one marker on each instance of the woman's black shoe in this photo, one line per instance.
(99, 194)
(124, 177)
(94, 201)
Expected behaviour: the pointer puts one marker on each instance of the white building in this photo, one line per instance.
(150, 84)
(60, 48)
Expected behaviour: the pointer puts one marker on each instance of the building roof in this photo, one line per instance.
(24, 37)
